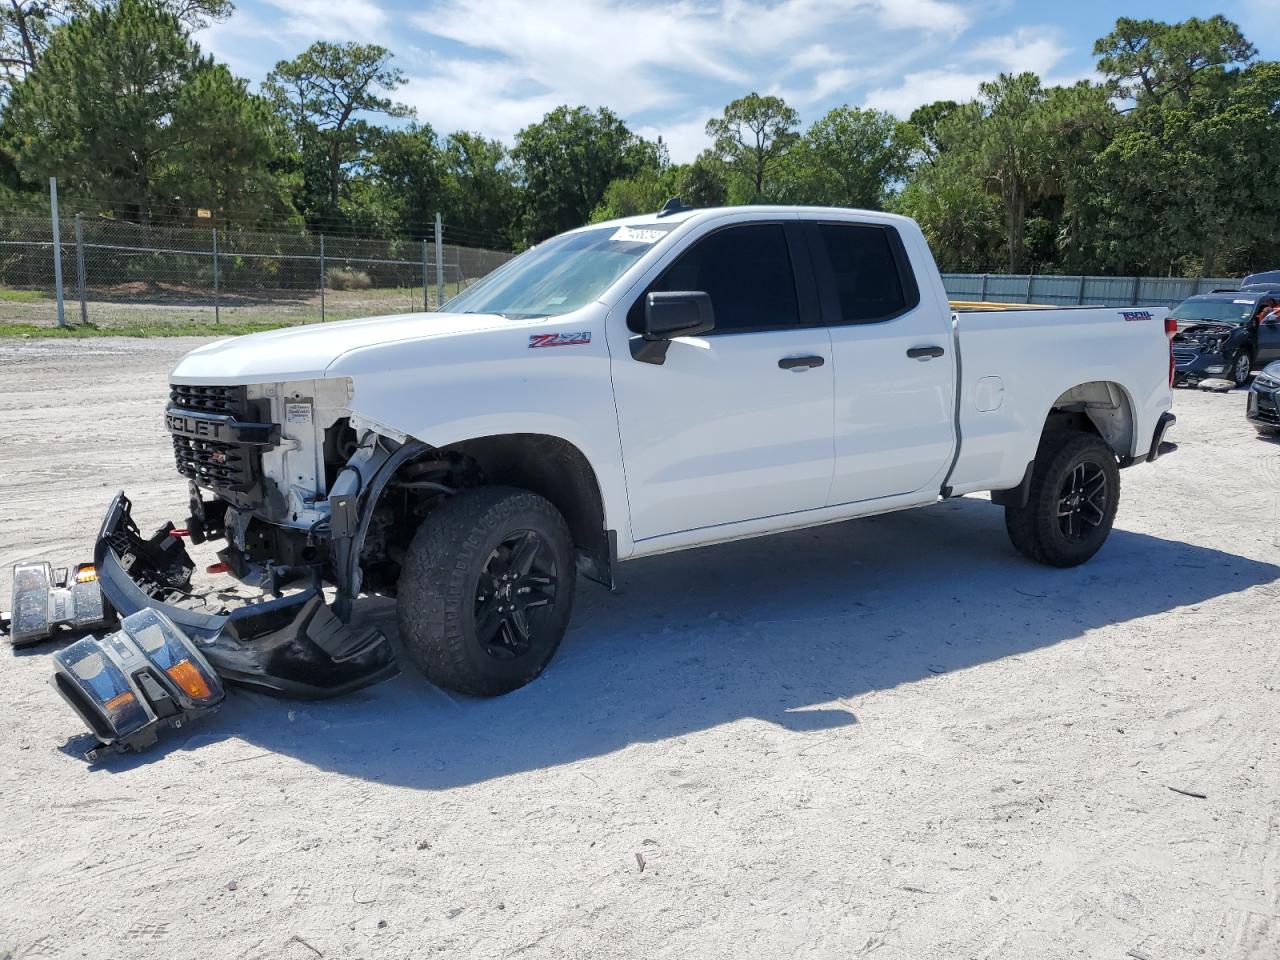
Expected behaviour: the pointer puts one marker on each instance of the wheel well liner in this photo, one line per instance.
(554, 469)
(1100, 406)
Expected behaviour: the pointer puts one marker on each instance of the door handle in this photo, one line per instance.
(925, 353)
(800, 363)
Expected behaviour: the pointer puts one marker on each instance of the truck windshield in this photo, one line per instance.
(560, 275)
(1224, 311)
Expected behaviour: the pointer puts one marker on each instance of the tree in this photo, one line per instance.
(123, 107)
(25, 25)
(1148, 60)
(1196, 186)
(480, 188)
(849, 158)
(646, 192)
(931, 122)
(961, 219)
(1010, 152)
(703, 183)
(752, 136)
(327, 92)
(567, 161)
(405, 185)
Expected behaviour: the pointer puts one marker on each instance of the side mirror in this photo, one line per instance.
(667, 315)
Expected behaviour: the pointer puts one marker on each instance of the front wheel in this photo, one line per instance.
(486, 590)
(1241, 368)
(1075, 490)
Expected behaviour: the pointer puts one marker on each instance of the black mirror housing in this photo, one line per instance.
(671, 314)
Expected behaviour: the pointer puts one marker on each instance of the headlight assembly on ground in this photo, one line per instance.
(45, 599)
(128, 684)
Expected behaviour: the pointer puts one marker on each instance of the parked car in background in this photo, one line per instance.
(1225, 334)
(1263, 409)
(1269, 276)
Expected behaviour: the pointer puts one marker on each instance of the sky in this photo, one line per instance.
(495, 66)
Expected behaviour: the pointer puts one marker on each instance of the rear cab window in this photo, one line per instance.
(864, 272)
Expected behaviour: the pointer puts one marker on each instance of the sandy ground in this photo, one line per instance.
(888, 738)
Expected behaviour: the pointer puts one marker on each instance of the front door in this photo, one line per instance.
(736, 424)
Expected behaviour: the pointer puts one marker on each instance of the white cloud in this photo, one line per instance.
(685, 139)
(1035, 49)
(336, 20)
(925, 86)
(495, 66)
(637, 58)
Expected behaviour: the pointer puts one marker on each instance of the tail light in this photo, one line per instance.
(1170, 328)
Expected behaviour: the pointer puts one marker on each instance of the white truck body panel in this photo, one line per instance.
(718, 442)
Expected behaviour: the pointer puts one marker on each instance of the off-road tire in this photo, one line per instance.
(1036, 530)
(440, 582)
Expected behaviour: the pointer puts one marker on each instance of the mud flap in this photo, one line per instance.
(292, 646)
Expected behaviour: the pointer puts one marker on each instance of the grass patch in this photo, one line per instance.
(23, 296)
(137, 330)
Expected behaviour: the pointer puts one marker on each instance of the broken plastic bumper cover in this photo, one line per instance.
(45, 599)
(130, 683)
(291, 646)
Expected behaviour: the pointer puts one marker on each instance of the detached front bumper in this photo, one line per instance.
(290, 646)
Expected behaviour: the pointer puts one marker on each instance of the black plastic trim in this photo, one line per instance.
(220, 427)
(1017, 496)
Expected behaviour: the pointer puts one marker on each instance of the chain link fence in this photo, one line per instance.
(121, 274)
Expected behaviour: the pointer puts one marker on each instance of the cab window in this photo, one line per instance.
(746, 270)
(871, 281)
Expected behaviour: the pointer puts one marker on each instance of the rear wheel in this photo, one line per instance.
(486, 590)
(1075, 490)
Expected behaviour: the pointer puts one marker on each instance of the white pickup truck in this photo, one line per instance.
(621, 390)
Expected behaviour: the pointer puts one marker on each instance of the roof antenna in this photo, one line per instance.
(674, 205)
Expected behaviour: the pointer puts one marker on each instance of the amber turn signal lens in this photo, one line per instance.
(119, 701)
(86, 575)
(185, 675)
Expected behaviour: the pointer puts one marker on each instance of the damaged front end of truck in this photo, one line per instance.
(283, 481)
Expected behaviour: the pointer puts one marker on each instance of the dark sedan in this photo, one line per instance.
(1263, 409)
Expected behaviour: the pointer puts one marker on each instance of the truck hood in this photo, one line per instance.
(306, 352)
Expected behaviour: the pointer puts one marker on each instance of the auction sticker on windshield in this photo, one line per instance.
(636, 235)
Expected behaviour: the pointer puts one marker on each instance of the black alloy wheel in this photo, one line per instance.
(1082, 501)
(513, 596)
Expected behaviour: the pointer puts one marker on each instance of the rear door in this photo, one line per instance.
(734, 425)
(894, 365)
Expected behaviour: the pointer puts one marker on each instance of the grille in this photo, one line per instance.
(208, 462)
(208, 399)
(1267, 409)
(1185, 353)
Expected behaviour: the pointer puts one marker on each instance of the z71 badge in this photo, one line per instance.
(559, 339)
